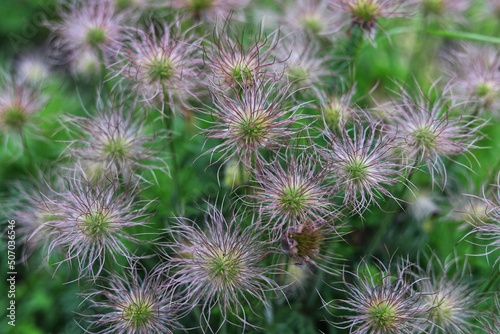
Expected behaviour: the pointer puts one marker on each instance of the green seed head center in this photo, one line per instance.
(138, 313)
(435, 7)
(294, 199)
(95, 223)
(161, 68)
(95, 36)
(425, 137)
(14, 118)
(225, 267)
(199, 5)
(242, 73)
(365, 10)
(382, 315)
(483, 89)
(312, 23)
(357, 169)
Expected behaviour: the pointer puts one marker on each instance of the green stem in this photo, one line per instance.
(169, 125)
(353, 49)
(384, 227)
(492, 281)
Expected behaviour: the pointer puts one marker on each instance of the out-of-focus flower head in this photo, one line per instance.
(487, 225)
(135, 305)
(239, 62)
(310, 17)
(162, 64)
(475, 77)
(362, 164)
(210, 10)
(19, 105)
(304, 67)
(27, 206)
(337, 108)
(114, 142)
(86, 25)
(220, 264)
(445, 10)
(365, 13)
(427, 131)
(380, 299)
(448, 296)
(32, 69)
(255, 120)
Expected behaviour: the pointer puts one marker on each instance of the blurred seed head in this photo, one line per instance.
(304, 67)
(449, 297)
(365, 13)
(20, 104)
(487, 226)
(445, 10)
(475, 77)
(337, 109)
(210, 10)
(86, 25)
(113, 142)
(32, 69)
(310, 17)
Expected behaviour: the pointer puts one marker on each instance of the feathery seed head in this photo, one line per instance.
(449, 299)
(237, 65)
(90, 221)
(113, 141)
(224, 266)
(162, 63)
(135, 305)
(361, 162)
(310, 17)
(381, 301)
(427, 130)
(365, 13)
(87, 25)
(291, 194)
(253, 120)
(210, 10)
